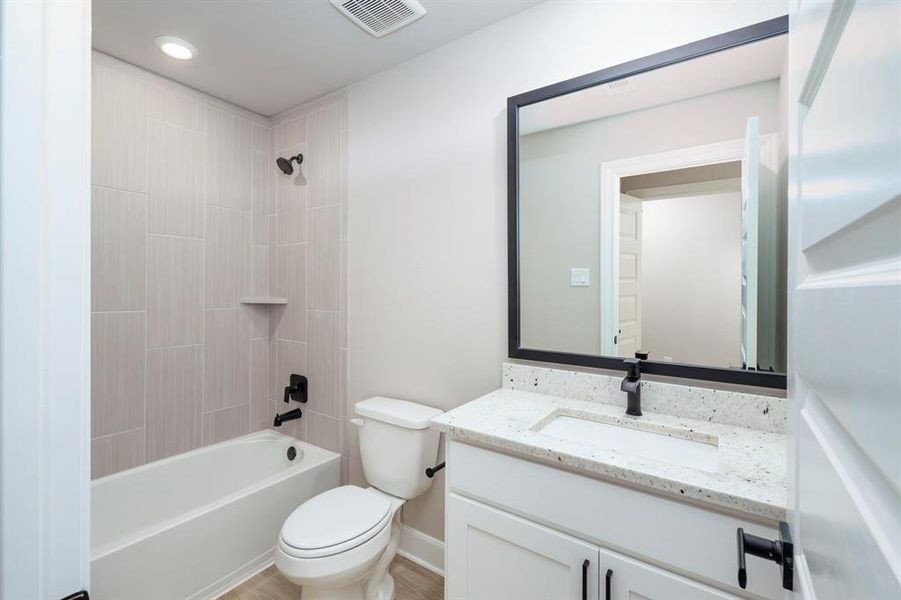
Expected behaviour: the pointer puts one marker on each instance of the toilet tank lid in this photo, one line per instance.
(402, 413)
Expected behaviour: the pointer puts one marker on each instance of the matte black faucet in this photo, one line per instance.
(632, 386)
(288, 416)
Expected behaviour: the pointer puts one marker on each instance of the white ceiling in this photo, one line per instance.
(743, 65)
(269, 56)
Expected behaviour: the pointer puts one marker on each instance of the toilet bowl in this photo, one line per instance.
(339, 544)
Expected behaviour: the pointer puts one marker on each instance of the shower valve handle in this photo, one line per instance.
(297, 390)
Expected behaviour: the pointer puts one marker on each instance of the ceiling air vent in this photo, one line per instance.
(380, 17)
(620, 86)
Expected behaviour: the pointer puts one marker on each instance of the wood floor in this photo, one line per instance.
(411, 581)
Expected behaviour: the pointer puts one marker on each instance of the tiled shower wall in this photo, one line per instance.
(308, 249)
(190, 215)
(178, 181)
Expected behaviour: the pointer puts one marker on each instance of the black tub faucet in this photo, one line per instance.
(288, 416)
(632, 386)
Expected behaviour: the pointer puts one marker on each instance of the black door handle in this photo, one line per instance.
(779, 551)
(585, 564)
(607, 580)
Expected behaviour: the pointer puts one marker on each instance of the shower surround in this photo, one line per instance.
(189, 216)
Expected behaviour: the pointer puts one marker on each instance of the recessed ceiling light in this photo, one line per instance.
(176, 47)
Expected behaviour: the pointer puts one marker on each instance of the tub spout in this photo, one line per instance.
(288, 416)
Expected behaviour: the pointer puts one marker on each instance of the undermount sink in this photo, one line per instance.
(670, 445)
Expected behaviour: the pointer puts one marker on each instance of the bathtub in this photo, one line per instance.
(197, 524)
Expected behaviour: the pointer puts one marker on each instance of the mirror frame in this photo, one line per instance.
(731, 39)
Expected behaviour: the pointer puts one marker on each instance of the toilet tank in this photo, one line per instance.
(397, 444)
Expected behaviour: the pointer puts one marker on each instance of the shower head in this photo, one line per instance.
(285, 163)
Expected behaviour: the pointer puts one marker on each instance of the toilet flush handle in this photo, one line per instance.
(358, 422)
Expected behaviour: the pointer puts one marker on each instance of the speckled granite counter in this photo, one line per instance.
(749, 476)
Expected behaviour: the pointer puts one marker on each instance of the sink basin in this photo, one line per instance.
(676, 446)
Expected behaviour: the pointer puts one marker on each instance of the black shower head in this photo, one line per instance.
(285, 163)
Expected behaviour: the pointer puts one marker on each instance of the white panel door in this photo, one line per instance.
(493, 555)
(845, 302)
(630, 579)
(750, 187)
(629, 334)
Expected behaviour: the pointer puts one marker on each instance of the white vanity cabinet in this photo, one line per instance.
(517, 529)
(495, 555)
(631, 579)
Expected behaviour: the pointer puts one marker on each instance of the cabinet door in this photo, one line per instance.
(630, 579)
(493, 555)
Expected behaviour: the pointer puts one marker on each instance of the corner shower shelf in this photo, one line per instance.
(264, 300)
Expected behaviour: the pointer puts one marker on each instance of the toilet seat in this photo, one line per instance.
(335, 521)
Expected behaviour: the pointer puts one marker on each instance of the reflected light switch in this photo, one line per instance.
(579, 277)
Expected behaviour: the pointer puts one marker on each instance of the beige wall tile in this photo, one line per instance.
(291, 319)
(117, 372)
(258, 316)
(164, 104)
(225, 424)
(227, 257)
(273, 255)
(227, 147)
(324, 370)
(261, 406)
(114, 453)
(174, 400)
(259, 271)
(260, 137)
(262, 169)
(289, 134)
(226, 358)
(118, 232)
(342, 297)
(291, 196)
(174, 291)
(326, 168)
(323, 261)
(323, 431)
(118, 130)
(174, 180)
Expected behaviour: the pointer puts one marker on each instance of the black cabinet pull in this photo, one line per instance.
(585, 564)
(607, 580)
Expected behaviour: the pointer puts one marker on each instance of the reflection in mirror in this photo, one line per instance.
(652, 214)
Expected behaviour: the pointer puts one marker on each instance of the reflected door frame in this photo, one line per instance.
(611, 174)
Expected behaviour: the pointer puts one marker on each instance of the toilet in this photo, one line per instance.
(339, 544)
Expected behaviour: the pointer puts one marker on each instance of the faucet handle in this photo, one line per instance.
(633, 365)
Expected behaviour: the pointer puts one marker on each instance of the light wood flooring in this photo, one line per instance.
(411, 581)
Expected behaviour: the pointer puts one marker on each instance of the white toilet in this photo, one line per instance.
(338, 545)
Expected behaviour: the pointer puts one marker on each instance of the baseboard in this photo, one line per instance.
(236, 577)
(422, 549)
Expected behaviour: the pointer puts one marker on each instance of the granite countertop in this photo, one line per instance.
(749, 475)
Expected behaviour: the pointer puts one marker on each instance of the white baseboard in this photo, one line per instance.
(422, 549)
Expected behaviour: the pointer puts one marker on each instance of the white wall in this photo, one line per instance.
(691, 279)
(427, 196)
(560, 200)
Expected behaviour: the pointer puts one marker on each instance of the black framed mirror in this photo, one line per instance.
(647, 213)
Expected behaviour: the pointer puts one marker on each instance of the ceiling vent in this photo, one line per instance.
(620, 86)
(380, 17)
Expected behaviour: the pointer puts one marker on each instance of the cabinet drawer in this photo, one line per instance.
(687, 539)
(630, 579)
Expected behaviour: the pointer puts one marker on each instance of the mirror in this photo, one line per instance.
(648, 213)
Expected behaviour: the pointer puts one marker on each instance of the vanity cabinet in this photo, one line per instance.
(496, 555)
(630, 579)
(521, 529)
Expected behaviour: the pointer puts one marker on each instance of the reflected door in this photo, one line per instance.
(750, 187)
(629, 333)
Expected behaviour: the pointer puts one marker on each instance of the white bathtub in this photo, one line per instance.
(197, 524)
